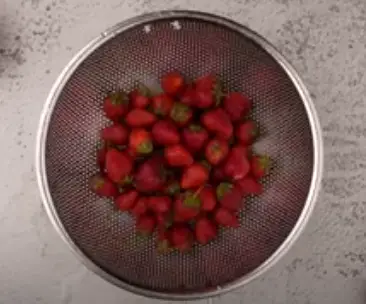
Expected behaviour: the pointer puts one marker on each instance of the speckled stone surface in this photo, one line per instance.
(325, 40)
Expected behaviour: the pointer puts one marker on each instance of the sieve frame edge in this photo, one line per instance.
(66, 74)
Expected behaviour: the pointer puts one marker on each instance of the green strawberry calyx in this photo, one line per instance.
(264, 162)
(119, 98)
(195, 128)
(191, 200)
(96, 182)
(145, 147)
(222, 189)
(179, 112)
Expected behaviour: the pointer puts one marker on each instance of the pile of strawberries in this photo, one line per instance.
(179, 161)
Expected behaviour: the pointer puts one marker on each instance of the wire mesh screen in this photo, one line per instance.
(143, 54)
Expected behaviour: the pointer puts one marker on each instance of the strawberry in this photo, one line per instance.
(181, 237)
(172, 83)
(204, 99)
(102, 186)
(218, 122)
(259, 166)
(189, 96)
(230, 196)
(140, 118)
(165, 133)
(194, 176)
(237, 164)
(150, 175)
(181, 114)
(186, 206)
(139, 99)
(172, 188)
(194, 137)
(126, 201)
(208, 198)
(159, 204)
(249, 185)
(226, 218)
(162, 104)
(140, 207)
(246, 132)
(216, 151)
(140, 141)
(208, 92)
(205, 230)
(145, 224)
(178, 156)
(236, 105)
(115, 105)
(206, 82)
(116, 134)
(118, 165)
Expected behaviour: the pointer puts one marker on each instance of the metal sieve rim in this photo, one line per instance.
(71, 68)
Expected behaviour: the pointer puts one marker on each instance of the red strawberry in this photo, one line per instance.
(140, 141)
(204, 99)
(139, 99)
(206, 82)
(116, 105)
(172, 83)
(162, 104)
(194, 176)
(140, 207)
(218, 122)
(140, 118)
(237, 164)
(259, 166)
(178, 156)
(102, 186)
(230, 196)
(226, 218)
(150, 175)
(208, 92)
(181, 237)
(101, 155)
(194, 137)
(248, 185)
(165, 133)
(186, 207)
(126, 201)
(116, 134)
(208, 198)
(236, 105)
(181, 114)
(205, 231)
(159, 204)
(189, 96)
(145, 224)
(216, 151)
(172, 188)
(246, 132)
(118, 165)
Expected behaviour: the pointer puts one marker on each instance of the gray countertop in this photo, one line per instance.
(324, 39)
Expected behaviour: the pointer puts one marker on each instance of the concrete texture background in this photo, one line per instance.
(324, 39)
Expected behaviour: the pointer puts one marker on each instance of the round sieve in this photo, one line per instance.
(142, 50)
